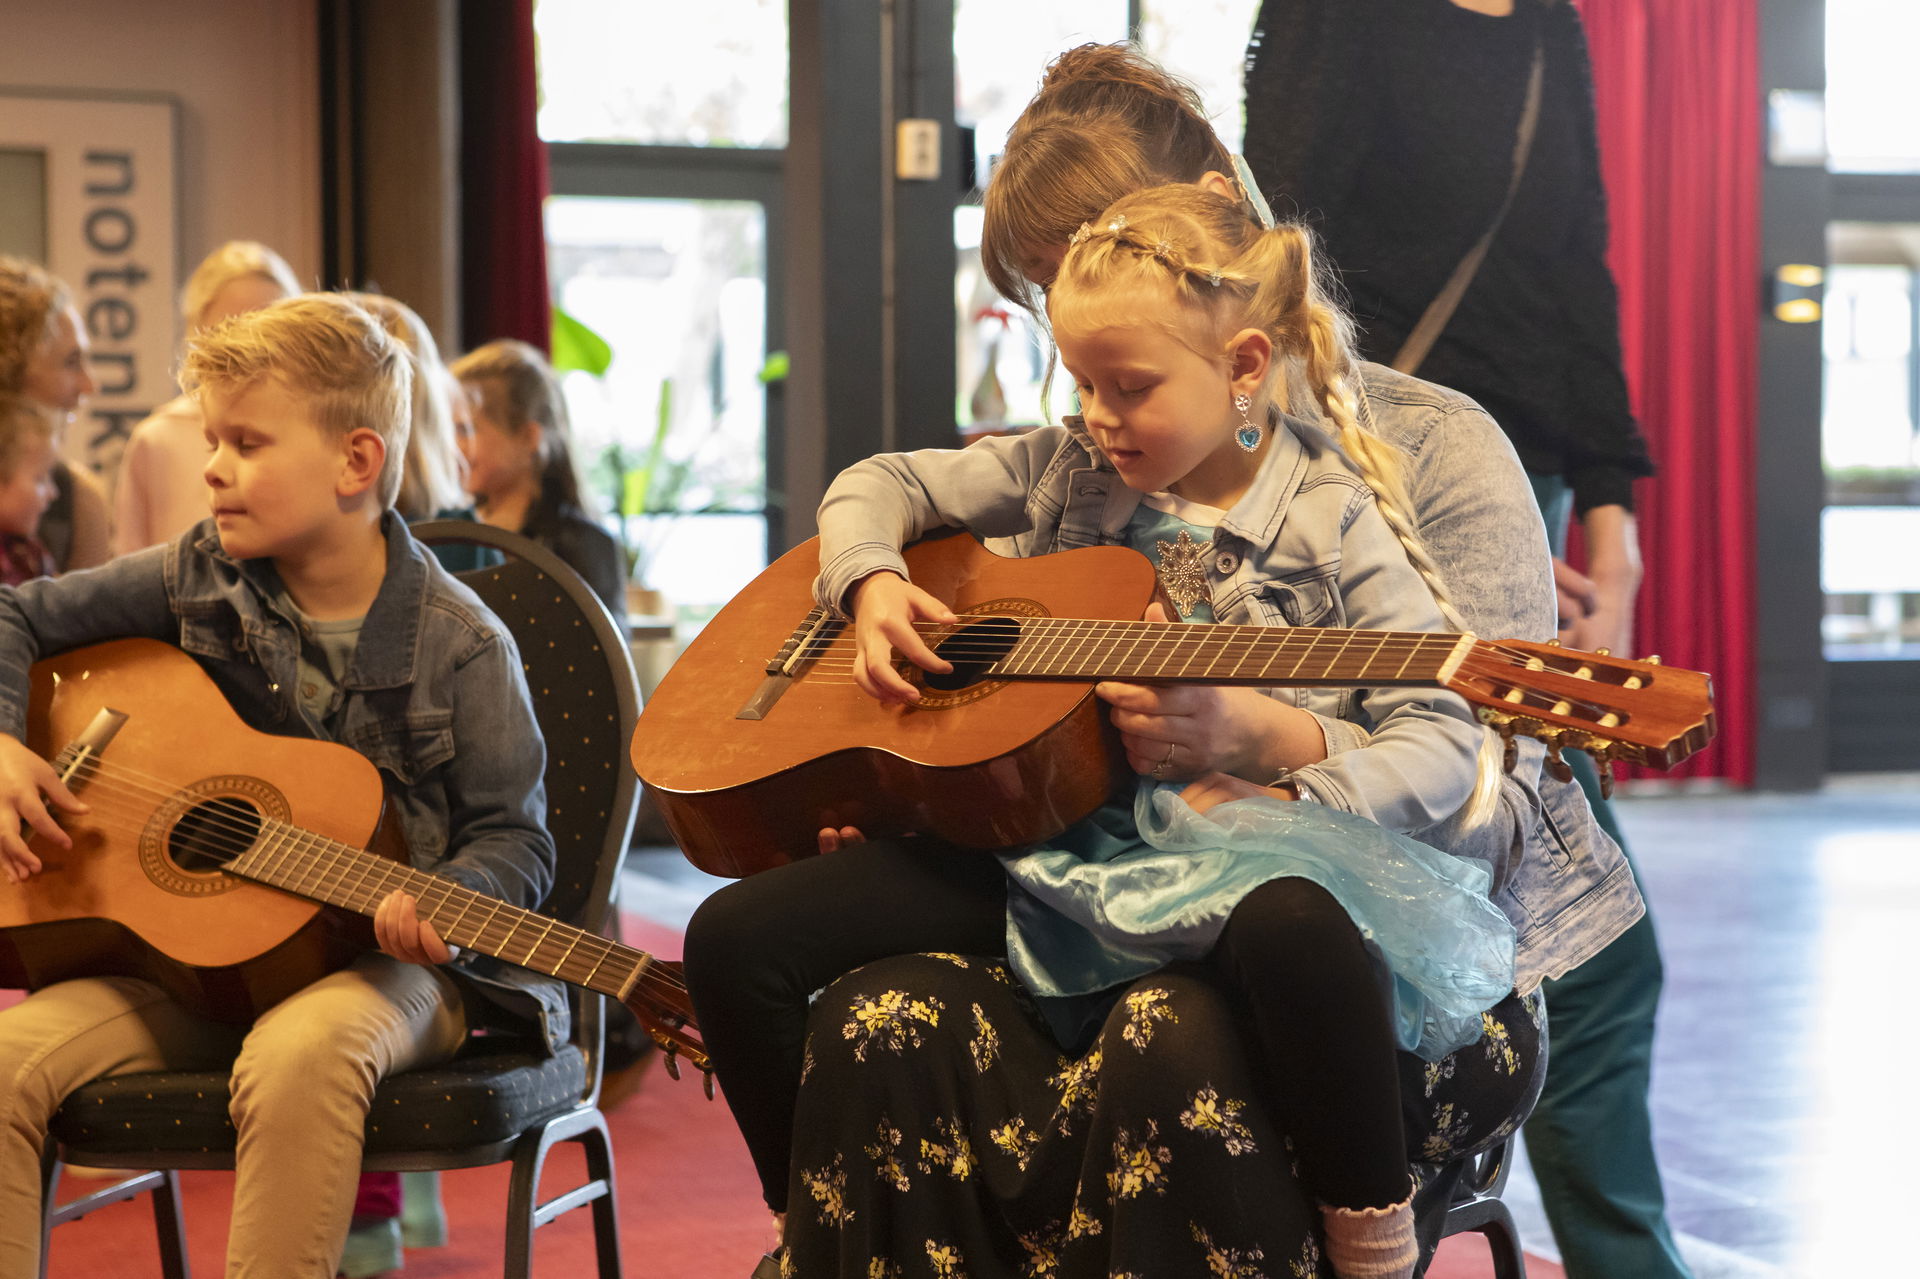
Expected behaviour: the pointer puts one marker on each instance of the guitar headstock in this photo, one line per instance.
(659, 1002)
(1615, 708)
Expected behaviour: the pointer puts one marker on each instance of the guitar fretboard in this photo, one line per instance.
(312, 866)
(1272, 656)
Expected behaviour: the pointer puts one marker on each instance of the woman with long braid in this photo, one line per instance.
(1294, 889)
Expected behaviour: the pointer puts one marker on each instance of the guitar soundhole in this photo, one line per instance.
(973, 650)
(210, 835)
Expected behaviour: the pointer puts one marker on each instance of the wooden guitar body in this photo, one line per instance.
(121, 901)
(988, 766)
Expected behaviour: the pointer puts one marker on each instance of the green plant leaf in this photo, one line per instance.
(777, 367)
(575, 346)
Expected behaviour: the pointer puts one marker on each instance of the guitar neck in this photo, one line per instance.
(1267, 656)
(319, 869)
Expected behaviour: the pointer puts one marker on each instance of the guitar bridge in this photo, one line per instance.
(809, 639)
(91, 743)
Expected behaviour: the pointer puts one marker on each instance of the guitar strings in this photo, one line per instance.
(1060, 631)
(131, 802)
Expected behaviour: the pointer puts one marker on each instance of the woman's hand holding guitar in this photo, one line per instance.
(1178, 732)
(885, 608)
(24, 779)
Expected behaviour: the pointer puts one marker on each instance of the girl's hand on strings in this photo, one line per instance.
(24, 779)
(1178, 732)
(885, 608)
(1216, 789)
(401, 932)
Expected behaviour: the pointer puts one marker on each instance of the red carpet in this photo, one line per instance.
(689, 1204)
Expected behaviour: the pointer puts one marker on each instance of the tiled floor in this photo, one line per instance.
(1790, 926)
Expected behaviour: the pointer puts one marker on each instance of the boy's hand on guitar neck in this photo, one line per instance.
(401, 932)
(885, 608)
(24, 779)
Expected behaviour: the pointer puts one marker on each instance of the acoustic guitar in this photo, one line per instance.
(232, 867)
(758, 737)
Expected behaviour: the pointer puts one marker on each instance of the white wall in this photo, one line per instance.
(246, 75)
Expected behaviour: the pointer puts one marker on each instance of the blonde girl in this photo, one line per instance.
(434, 481)
(160, 492)
(1288, 879)
(520, 467)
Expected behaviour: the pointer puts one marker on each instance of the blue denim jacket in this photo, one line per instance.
(1564, 884)
(434, 696)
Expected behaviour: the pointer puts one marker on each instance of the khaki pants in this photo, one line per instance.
(303, 1080)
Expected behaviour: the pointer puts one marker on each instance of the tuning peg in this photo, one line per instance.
(671, 1059)
(1652, 659)
(1605, 765)
(1557, 766)
(1604, 652)
(1554, 642)
(706, 1084)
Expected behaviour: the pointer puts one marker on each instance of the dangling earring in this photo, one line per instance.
(1248, 436)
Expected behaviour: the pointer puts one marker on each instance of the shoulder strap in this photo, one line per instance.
(1414, 351)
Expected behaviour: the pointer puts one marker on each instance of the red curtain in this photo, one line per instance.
(1677, 83)
(503, 166)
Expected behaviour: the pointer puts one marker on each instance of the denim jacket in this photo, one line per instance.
(1562, 881)
(434, 696)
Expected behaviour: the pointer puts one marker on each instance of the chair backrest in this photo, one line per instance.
(585, 698)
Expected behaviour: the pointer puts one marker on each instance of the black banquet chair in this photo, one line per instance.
(498, 1100)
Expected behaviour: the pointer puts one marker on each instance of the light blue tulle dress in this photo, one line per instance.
(1148, 881)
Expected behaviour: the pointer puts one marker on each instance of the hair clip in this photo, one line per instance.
(1163, 249)
(1085, 230)
(1213, 278)
(1118, 224)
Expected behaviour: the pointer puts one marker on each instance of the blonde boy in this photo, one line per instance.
(317, 614)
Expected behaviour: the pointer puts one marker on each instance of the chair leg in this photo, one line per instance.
(525, 1214)
(171, 1227)
(1503, 1241)
(597, 1143)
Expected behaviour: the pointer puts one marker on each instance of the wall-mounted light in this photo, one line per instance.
(1796, 292)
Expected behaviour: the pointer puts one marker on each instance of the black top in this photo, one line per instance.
(1389, 125)
(588, 549)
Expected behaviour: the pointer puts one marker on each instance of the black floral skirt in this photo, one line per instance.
(941, 1133)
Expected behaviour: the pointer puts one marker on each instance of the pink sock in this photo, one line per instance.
(1371, 1243)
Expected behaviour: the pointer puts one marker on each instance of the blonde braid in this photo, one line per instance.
(1330, 372)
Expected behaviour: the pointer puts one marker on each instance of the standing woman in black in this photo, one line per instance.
(1446, 152)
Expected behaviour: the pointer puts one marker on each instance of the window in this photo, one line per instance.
(1873, 97)
(621, 72)
(674, 428)
(1869, 571)
(666, 246)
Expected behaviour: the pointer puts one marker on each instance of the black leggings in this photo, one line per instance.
(757, 950)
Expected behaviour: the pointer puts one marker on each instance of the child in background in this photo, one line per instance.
(520, 464)
(26, 487)
(1180, 319)
(314, 611)
(43, 356)
(433, 486)
(160, 494)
